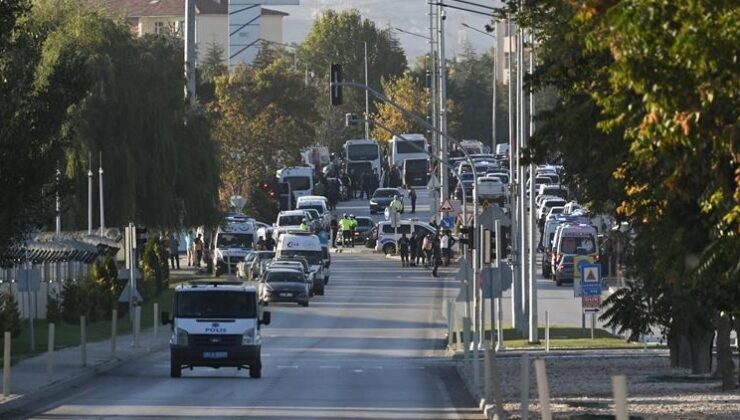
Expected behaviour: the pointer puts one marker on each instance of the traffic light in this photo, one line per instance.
(467, 236)
(335, 89)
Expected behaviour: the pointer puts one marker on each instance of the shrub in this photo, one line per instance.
(155, 268)
(53, 308)
(10, 315)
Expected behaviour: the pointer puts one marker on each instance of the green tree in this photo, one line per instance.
(406, 92)
(210, 67)
(339, 37)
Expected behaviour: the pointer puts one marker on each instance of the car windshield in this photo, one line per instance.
(384, 193)
(285, 277)
(290, 220)
(234, 240)
(313, 257)
(415, 164)
(266, 255)
(318, 207)
(467, 176)
(215, 304)
(558, 192)
(362, 152)
(571, 244)
(298, 183)
(411, 146)
(361, 221)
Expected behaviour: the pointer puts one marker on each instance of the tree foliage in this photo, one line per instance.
(406, 92)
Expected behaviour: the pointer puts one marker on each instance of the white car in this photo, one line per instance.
(491, 189)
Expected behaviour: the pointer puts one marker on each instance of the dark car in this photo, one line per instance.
(467, 181)
(283, 285)
(364, 226)
(382, 198)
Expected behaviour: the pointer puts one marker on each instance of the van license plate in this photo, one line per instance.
(286, 294)
(215, 355)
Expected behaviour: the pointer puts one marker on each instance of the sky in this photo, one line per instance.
(410, 15)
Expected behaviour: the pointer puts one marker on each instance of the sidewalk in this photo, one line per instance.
(28, 378)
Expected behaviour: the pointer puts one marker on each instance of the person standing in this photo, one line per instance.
(345, 225)
(269, 241)
(334, 226)
(352, 228)
(397, 204)
(174, 246)
(304, 225)
(412, 197)
(403, 247)
(189, 247)
(427, 250)
(436, 256)
(446, 244)
(198, 246)
(414, 248)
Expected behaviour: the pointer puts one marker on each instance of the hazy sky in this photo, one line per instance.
(411, 15)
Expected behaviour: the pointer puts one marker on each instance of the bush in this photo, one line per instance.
(53, 309)
(10, 315)
(71, 302)
(155, 268)
(95, 296)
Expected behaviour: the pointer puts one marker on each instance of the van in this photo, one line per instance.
(319, 204)
(570, 240)
(307, 246)
(415, 172)
(233, 241)
(300, 179)
(216, 324)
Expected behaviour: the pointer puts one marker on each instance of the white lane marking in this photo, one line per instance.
(358, 370)
(287, 366)
(330, 367)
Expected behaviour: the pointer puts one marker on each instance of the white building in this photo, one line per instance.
(235, 25)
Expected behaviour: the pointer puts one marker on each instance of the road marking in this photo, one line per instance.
(287, 366)
(330, 367)
(358, 370)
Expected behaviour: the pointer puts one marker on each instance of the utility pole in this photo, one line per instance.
(443, 152)
(524, 225)
(89, 195)
(533, 333)
(102, 208)
(58, 227)
(367, 99)
(514, 179)
(434, 138)
(493, 107)
(190, 50)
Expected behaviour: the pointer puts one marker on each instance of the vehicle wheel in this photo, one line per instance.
(389, 249)
(304, 304)
(255, 369)
(175, 368)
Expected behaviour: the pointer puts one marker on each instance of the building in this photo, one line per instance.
(237, 27)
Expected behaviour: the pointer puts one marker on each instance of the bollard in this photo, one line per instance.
(450, 323)
(83, 339)
(466, 341)
(543, 388)
(499, 326)
(547, 331)
(50, 355)
(487, 374)
(156, 316)
(6, 364)
(619, 387)
(524, 386)
(137, 325)
(593, 324)
(113, 327)
(496, 386)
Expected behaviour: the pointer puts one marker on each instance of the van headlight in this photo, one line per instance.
(179, 337)
(248, 337)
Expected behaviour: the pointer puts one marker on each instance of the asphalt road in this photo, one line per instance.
(371, 348)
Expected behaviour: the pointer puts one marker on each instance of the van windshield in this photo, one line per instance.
(290, 220)
(570, 244)
(318, 207)
(411, 146)
(362, 152)
(298, 183)
(313, 257)
(234, 240)
(215, 304)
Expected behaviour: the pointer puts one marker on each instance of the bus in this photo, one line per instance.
(362, 156)
(408, 146)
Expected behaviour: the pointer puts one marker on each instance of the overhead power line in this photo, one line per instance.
(449, 6)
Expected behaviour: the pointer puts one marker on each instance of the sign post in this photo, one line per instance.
(591, 291)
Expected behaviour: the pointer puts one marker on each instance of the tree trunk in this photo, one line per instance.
(684, 351)
(725, 366)
(673, 349)
(701, 352)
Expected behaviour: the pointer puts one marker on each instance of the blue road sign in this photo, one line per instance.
(448, 222)
(591, 280)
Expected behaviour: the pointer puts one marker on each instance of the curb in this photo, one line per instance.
(20, 401)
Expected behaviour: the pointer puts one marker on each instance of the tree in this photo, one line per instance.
(407, 93)
(339, 37)
(210, 67)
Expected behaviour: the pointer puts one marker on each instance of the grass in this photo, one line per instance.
(566, 338)
(66, 335)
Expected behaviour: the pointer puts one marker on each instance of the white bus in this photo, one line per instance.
(412, 147)
(362, 156)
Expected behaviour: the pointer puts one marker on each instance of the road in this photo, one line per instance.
(371, 348)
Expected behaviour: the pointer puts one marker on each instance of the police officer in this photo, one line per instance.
(345, 225)
(397, 204)
(352, 228)
(304, 225)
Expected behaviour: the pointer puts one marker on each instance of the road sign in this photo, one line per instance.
(591, 280)
(447, 207)
(126, 294)
(460, 219)
(448, 222)
(495, 280)
(591, 303)
(463, 275)
(491, 214)
(433, 183)
(485, 204)
(123, 274)
(578, 262)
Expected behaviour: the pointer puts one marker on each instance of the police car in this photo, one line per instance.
(388, 235)
(216, 324)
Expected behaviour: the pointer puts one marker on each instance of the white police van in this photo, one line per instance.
(388, 235)
(216, 324)
(233, 241)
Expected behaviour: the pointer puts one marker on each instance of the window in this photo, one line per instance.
(215, 304)
(411, 146)
(159, 27)
(389, 230)
(362, 152)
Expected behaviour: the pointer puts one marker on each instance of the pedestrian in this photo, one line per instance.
(427, 249)
(198, 245)
(412, 197)
(304, 225)
(352, 228)
(414, 248)
(334, 225)
(436, 257)
(189, 247)
(174, 246)
(346, 227)
(446, 244)
(260, 245)
(403, 247)
(269, 241)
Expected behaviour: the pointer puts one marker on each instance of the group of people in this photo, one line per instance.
(426, 249)
(266, 243)
(347, 225)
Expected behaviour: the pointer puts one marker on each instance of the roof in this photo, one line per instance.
(216, 285)
(270, 12)
(139, 8)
